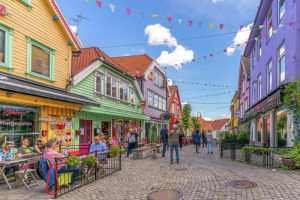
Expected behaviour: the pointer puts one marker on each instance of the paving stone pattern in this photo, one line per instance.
(197, 176)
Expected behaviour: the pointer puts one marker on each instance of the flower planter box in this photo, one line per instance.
(142, 153)
(288, 162)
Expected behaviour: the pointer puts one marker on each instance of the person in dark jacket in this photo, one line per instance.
(164, 137)
(204, 139)
(197, 140)
(181, 135)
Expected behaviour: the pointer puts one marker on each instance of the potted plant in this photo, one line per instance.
(73, 162)
(90, 161)
(115, 150)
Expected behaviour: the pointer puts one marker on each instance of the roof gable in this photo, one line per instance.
(65, 24)
(174, 93)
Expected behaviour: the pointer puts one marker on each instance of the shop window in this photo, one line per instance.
(281, 128)
(281, 9)
(5, 47)
(281, 63)
(40, 60)
(259, 129)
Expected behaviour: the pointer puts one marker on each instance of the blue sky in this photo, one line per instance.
(105, 29)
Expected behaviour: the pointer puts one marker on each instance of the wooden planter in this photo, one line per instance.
(288, 162)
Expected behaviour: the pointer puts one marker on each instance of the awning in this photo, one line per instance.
(21, 85)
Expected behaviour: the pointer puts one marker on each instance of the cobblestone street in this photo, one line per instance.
(197, 176)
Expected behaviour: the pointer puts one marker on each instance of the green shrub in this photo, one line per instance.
(73, 161)
(115, 150)
(90, 161)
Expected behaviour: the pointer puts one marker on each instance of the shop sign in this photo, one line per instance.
(15, 123)
(143, 103)
(3, 10)
(237, 113)
(271, 102)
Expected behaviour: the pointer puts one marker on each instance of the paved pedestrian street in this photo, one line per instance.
(197, 176)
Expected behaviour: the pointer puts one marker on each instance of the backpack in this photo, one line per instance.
(132, 139)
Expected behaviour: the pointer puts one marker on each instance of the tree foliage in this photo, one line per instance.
(186, 115)
(195, 123)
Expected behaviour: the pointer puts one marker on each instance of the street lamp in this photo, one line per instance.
(198, 115)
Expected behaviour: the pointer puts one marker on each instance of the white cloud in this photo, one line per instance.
(216, 1)
(207, 118)
(239, 40)
(74, 28)
(158, 35)
(179, 55)
(176, 57)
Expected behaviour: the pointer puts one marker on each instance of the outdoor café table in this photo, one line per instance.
(5, 164)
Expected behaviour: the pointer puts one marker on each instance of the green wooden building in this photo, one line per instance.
(96, 76)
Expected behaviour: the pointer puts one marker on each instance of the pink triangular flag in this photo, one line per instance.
(290, 23)
(241, 27)
(190, 23)
(265, 35)
(128, 11)
(99, 3)
(221, 26)
(170, 19)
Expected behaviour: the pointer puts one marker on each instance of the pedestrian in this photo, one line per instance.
(197, 140)
(204, 139)
(131, 141)
(164, 137)
(136, 144)
(174, 141)
(209, 142)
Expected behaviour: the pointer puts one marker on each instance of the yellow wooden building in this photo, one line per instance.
(36, 46)
(235, 112)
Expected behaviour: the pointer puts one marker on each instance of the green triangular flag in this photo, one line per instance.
(112, 7)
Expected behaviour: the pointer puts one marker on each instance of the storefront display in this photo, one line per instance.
(121, 128)
(17, 122)
(61, 130)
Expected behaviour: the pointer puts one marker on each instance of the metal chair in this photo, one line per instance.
(25, 176)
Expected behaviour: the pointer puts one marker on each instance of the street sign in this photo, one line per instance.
(3, 10)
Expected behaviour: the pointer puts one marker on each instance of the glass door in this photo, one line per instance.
(86, 132)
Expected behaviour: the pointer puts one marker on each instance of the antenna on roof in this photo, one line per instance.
(77, 20)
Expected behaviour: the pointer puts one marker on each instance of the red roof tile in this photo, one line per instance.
(218, 124)
(89, 55)
(136, 65)
(205, 125)
(212, 125)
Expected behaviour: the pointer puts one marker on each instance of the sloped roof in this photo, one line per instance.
(218, 124)
(65, 24)
(89, 55)
(205, 124)
(136, 64)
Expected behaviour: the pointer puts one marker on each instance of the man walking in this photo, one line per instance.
(174, 142)
(164, 137)
(209, 143)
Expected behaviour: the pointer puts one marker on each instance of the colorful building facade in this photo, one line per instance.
(244, 88)
(273, 49)
(235, 112)
(98, 77)
(174, 105)
(152, 81)
(35, 69)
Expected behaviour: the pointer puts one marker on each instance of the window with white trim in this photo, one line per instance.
(155, 101)
(131, 95)
(5, 47)
(281, 63)
(164, 104)
(108, 85)
(158, 79)
(114, 88)
(281, 9)
(259, 51)
(254, 56)
(126, 92)
(150, 98)
(269, 24)
(98, 83)
(269, 76)
(259, 91)
(254, 93)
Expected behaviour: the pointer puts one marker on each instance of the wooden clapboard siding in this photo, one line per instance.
(109, 106)
(38, 24)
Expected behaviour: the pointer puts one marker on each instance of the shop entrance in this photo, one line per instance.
(106, 129)
(85, 137)
(266, 132)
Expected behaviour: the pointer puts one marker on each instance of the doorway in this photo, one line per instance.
(85, 137)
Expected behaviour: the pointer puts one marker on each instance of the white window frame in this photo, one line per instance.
(269, 24)
(259, 47)
(100, 76)
(281, 56)
(150, 98)
(254, 56)
(269, 76)
(279, 13)
(155, 100)
(106, 88)
(259, 87)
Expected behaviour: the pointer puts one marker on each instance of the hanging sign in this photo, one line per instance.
(3, 10)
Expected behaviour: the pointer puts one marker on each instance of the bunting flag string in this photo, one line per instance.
(189, 22)
(211, 103)
(209, 95)
(203, 84)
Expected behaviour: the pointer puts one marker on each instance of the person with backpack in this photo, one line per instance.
(164, 137)
(132, 139)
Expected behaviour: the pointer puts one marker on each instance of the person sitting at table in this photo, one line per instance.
(40, 145)
(6, 154)
(99, 148)
(24, 149)
(51, 154)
